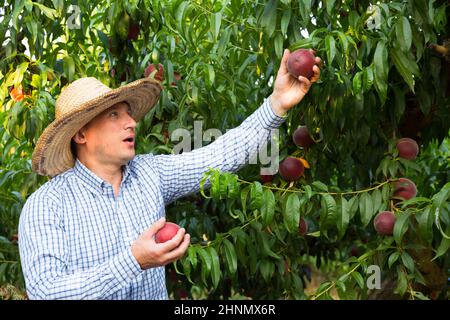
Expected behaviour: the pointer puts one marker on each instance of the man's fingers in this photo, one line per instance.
(181, 249)
(283, 65)
(318, 61)
(316, 75)
(304, 81)
(174, 242)
(150, 232)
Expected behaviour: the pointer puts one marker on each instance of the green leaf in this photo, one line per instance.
(320, 186)
(216, 20)
(18, 74)
(285, 19)
(380, 61)
(267, 269)
(402, 282)
(386, 192)
(223, 186)
(50, 13)
(69, 68)
(211, 74)
(353, 206)
(278, 45)
(357, 83)
(406, 66)
(408, 261)
(359, 279)
(206, 258)
(215, 185)
(442, 196)
(376, 200)
(368, 78)
(425, 222)
(192, 255)
(180, 14)
(437, 220)
(308, 192)
(306, 43)
(203, 180)
(244, 194)
(292, 213)
(343, 217)
(401, 225)
(186, 268)
(415, 201)
(344, 44)
(266, 246)
(35, 81)
(366, 209)
(443, 247)
(392, 258)
(230, 256)
(404, 33)
(256, 194)
(233, 186)
(215, 266)
(330, 204)
(269, 17)
(330, 45)
(330, 6)
(305, 10)
(268, 207)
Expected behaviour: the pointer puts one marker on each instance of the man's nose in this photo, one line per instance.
(130, 122)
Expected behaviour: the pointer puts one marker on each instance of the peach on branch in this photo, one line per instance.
(302, 138)
(384, 223)
(405, 189)
(291, 169)
(303, 227)
(154, 71)
(407, 148)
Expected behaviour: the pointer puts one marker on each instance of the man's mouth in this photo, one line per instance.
(129, 140)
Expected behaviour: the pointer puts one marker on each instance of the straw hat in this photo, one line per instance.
(78, 104)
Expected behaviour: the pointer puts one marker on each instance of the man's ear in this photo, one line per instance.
(79, 137)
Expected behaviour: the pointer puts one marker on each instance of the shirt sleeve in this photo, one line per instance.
(45, 260)
(180, 174)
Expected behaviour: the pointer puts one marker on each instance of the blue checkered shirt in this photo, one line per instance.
(75, 236)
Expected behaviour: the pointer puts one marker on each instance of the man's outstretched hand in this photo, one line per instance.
(289, 91)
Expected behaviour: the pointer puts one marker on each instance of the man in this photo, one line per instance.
(88, 233)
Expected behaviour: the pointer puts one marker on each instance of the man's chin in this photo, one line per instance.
(127, 158)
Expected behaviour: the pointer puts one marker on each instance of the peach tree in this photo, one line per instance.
(385, 77)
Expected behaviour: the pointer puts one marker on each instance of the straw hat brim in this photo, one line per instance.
(52, 154)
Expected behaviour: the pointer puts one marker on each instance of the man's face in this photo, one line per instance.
(109, 137)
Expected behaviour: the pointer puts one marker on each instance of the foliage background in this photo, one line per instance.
(219, 58)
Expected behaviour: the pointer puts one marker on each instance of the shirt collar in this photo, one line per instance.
(95, 182)
(88, 177)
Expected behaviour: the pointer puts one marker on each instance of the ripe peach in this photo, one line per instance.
(302, 138)
(405, 189)
(167, 232)
(303, 227)
(133, 31)
(291, 169)
(17, 94)
(266, 178)
(158, 75)
(301, 62)
(407, 148)
(384, 223)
